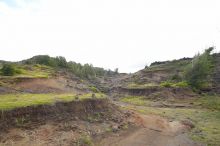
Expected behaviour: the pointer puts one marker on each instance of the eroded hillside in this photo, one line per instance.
(48, 101)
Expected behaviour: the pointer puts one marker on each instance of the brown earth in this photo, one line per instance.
(60, 83)
(82, 123)
(156, 92)
(152, 131)
(60, 124)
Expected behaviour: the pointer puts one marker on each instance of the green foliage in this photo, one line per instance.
(84, 140)
(210, 102)
(136, 100)
(41, 59)
(116, 71)
(83, 71)
(181, 84)
(60, 62)
(197, 73)
(176, 77)
(168, 84)
(88, 71)
(94, 89)
(10, 70)
(11, 101)
(141, 86)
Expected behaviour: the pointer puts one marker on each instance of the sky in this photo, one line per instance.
(124, 34)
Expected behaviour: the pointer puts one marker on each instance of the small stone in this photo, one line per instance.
(188, 123)
(115, 128)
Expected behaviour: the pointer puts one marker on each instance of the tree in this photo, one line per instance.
(199, 70)
(8, 70)
(116, 71)
(61, 61)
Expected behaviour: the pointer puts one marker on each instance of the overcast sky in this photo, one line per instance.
(124, 34)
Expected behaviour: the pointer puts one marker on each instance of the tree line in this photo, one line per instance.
(83, 71)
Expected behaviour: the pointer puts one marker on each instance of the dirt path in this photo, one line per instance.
(153, 131)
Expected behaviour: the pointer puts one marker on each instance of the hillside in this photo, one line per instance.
(49, 101)
(46, 100)
(168, 71)
(44, 74)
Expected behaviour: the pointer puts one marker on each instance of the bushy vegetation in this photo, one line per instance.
(168, 84)
(94, 89)
(9, 70)
(136, 100)
(58, 61)
(185, 59)
(200, 69)
(181, 84)
(141, 86)
(83, 71)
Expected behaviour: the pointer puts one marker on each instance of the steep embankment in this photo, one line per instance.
(64, 123)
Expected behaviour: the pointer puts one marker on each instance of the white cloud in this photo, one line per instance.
(116, 33)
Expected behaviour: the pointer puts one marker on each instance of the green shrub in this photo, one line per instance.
(198, 72)
(85, 140)
(182, 84)
(82, 71)
(166, 84)
(8, 70)
(94, 89)
(176, 77)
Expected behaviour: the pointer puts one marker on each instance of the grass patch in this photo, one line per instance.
(209, 102)
(94, 89)
(168, 84)
(32, 71)
(136, 100)
(11, 101)
(141, 86)
(84, 140)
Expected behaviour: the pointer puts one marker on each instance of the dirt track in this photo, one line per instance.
(155, 131)
(152, 130)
